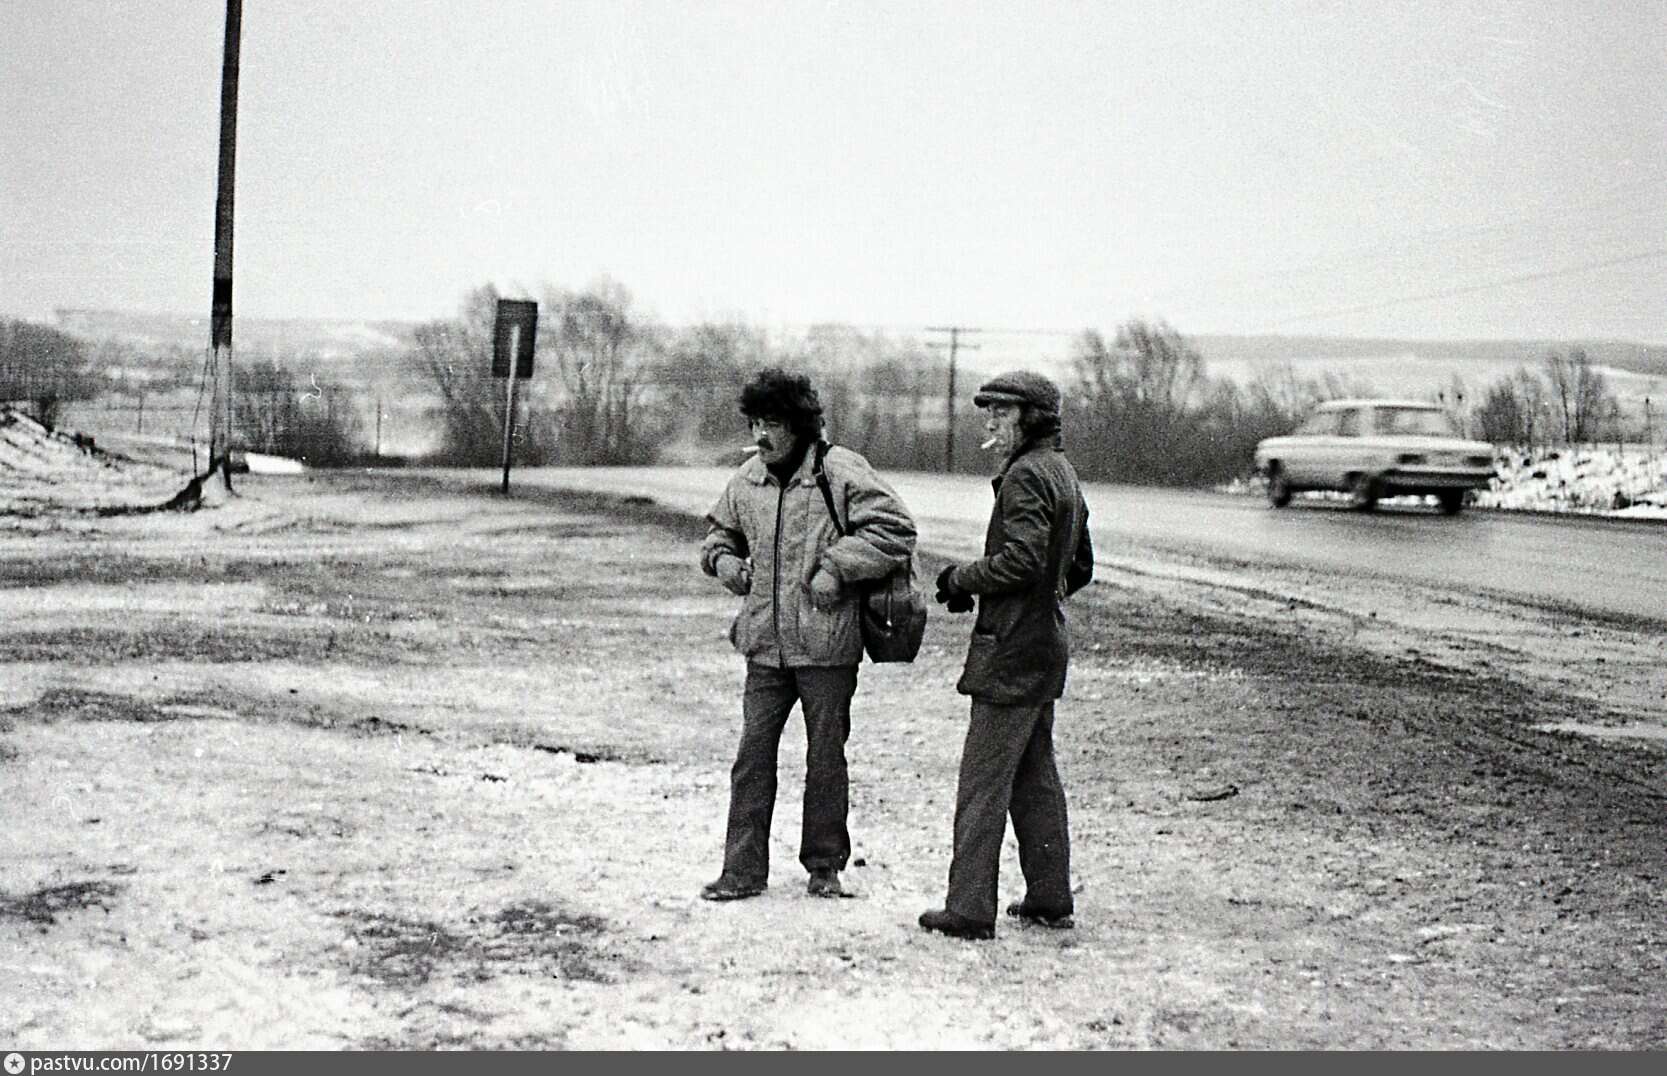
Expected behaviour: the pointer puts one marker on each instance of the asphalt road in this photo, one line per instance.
(1602, 567)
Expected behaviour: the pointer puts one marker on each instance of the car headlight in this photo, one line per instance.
(1409, 457)
(1479, 461)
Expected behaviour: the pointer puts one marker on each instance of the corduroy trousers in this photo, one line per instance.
(1008, 768)
(824, 695)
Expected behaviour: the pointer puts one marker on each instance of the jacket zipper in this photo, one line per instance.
(775, 577)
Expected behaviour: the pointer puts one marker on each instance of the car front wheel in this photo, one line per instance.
(1279, 487)
(1363, 493)
(1452, 501)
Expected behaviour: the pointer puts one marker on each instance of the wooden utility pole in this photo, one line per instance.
(954, 346)
(220, 320)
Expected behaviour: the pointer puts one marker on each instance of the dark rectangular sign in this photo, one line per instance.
(517, 327)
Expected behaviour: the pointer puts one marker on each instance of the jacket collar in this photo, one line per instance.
(1046, 439)
(758, 474)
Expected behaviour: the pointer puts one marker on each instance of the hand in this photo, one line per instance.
(824, 590)
(734, 573)
(954, 600)
(945, 591)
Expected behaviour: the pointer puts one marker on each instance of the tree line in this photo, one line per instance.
(615, 385)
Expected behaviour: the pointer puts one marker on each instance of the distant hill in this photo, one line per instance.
(321, 338)
(1416, 368)
(1233, 351)
(1421, 368)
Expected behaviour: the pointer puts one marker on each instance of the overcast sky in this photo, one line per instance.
(1462, 168)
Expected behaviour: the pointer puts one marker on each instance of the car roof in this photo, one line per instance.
(1339, 405)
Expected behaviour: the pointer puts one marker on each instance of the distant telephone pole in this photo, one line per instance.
(954, 346)
(220, 320)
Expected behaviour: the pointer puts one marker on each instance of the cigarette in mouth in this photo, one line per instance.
(991, 443)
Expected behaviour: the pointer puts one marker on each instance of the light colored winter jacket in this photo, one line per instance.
(785, 533)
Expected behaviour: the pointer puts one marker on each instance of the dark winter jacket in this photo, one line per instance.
(1036, 553)
(787, 535)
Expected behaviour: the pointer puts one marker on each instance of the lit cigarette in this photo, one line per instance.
(991, 443)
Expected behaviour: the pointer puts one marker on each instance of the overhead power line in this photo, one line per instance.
(1439, 243)
(1469, 289)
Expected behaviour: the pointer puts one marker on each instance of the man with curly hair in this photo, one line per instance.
(773, 543)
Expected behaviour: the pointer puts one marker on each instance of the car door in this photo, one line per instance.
(1345, 449)
(1305, 454)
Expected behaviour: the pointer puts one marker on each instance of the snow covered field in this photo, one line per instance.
(40, 470)
(1630, 482)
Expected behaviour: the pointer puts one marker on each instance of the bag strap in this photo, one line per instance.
(819, 471)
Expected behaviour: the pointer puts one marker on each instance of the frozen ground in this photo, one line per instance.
(371, 760)
(384, 760)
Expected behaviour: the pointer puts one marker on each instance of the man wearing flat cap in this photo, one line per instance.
(1036, 553)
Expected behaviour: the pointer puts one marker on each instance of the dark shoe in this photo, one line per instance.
(1041, 917)
(727, 888)
(824, 882)
(947, 922)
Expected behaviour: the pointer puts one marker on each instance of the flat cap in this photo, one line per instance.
(1020, 387)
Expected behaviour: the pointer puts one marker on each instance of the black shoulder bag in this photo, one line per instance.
(892, 609)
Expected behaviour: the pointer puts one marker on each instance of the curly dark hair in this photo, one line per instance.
(788, 398)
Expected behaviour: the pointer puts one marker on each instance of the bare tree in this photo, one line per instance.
(702, 372)
(45, 369)
(1504, 416)
(265, 405)
(1136, 393)
(273, 414)
(894, 389)
(605, 357)
(884, 395)
(1580, 394)
(455, 357)
(1277, 394)
(1149, 369)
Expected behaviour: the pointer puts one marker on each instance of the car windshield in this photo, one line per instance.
(1414, 422)
(1321, 423)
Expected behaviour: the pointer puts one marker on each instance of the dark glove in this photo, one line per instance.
(953, 600)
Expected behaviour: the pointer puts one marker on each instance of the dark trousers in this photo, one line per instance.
(1008, 767)
(824, 694)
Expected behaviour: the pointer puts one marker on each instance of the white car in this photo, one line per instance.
(1376, 448)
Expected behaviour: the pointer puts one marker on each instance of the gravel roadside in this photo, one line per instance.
(345, 763)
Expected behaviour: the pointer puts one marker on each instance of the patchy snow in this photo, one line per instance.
(460, 789)
(1628, 482)
(41, 469)
(260, 463)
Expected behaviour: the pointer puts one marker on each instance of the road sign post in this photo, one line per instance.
(513, 336)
